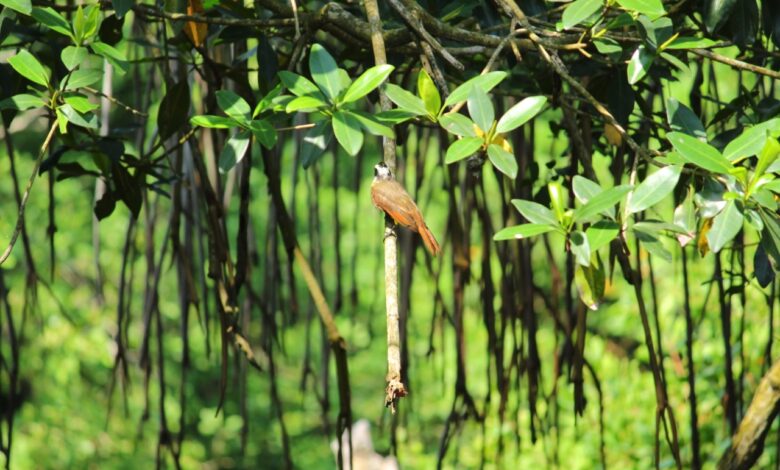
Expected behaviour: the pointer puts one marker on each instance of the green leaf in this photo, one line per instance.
(348, 132)
(651, 8)
(324, 72)
(51, 19)
(518, 232)
(602, 233)
(682, 119)
(121, 7)
(580, 10)
(657, 227)
(699, 153)
(725, 226)
(684, 42)
(367, 82)
(315, 142)
(462, 148)
(112, 55)
(174, 108)
(268, 101)
(639, 64)
(601, 202)
(405, 100)
(22, 102)
(233, 105)
(580, 248)
(590, 281)
(233, 151)
(83, 77)
(394, 116)
(716, 13)
(213, 122)
(429, 93)
(264, 132)
(87, 120)
(608, 47)
(767, 156)
(22, 6)
(458, 124)
(28, 66)
(504, 161)
(653, 245)
(73, 56)
(481, 109)
(520, 113)
(535, 212)
(80, 102)
(751, 141)
(585, 189)
(654, 188)
(304, 103)
(298, 85)
(372, 124)
(486, 82)
(770, 236)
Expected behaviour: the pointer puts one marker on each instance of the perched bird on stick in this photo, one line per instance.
(388, 194)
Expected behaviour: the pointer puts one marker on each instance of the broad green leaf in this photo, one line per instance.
(653, 245)
(751, 141)
(518, 232)
(684, 42)
(405, 100)
(458, 124)
(717, 13)
(608, 47)
(174, 108)
(535, 212)
(762, 268)
(80, 102)
(481, 109)
(348, 132)
(233, 151)
(367, 82)
(267, 102)
(754, 219)
(580, 10)
(685, 218)
(557, 200)
(640, 63)
(725, 227)
(654, 188)
(651, 8)
(682, 119)
(767, 156)
(654, 33)
(233, 105)
(304, 103)
(324, 72)
(315, 142)
(591, 281)
(121, 7)
(87, 120)
(679, 65)
(486, 82)
(110, 53)
(264, 132)
(22, 102)
(28, 66)
(462, 148)
(699, 153)
(83, 77)
(372, 124)
(504, 161)
(73, 56)
(22, 6)
(394, 116)
(770, 236)
(601, 202)
(428, 92)
(520, 113)
(657, 227)
(62, 120)
(585, 189)
(298, 85)
(580, 248)
(50, 18)
(601, 233)
(213, 122)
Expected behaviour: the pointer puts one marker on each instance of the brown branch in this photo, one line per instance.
(23, 203)
(737, 64)
(748, 442)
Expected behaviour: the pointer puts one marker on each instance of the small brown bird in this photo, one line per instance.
(388, 195)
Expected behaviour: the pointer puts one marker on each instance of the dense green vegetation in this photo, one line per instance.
(198, 278)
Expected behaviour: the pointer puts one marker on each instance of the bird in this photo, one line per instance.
(388, 195)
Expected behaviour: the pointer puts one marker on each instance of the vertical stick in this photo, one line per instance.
(395, 387)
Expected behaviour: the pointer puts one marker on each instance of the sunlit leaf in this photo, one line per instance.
(405, 100)
(520, 113)
(462, 148)
(725, 227)
(601, 202)
(485, 82)
(324, 72)
(580, 10)
(504, 161)
(428, 92)
(233, 151)
(348, 132)
(518, 232)
(535, 212)
(28, 66)
(458, 124)
(367, 82)
(699, 153)
(654, 188)
(481, 109)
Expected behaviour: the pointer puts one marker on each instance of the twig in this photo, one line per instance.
(737, 64)
(23, 204)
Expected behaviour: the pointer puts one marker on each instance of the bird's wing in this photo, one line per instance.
(392, 198)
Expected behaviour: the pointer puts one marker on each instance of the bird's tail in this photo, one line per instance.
(429, 240)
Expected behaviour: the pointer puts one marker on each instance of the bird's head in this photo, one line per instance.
(382, 171)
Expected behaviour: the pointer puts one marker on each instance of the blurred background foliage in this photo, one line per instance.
(91, 306)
